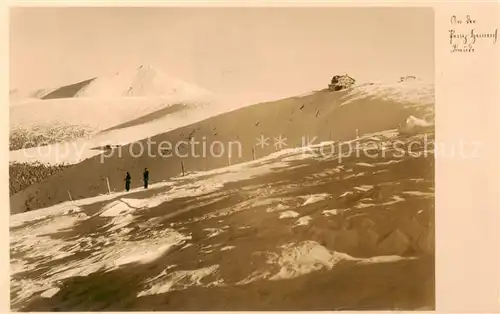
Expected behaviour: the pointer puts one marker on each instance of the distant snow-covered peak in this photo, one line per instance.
(142, 80)
(139, 81)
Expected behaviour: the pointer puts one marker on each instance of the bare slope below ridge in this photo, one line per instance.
(68, 91)
(322, 115)
(148, 117)
(96, 104)
(291, 231)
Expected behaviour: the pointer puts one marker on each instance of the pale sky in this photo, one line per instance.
(247, 51)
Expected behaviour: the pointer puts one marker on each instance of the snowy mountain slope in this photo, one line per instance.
(60, 119)
(96, 114)
(77, 150)
(227, 239)
(417, 94)
(141, 81)
(299, 121)
(137, 118)
(98, 104)
(331, 194)
(138, 81)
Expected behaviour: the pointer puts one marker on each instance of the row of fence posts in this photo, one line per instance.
(182, 171)
(107, 183)
(206, 167)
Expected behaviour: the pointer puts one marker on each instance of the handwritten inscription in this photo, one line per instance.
(466, 33)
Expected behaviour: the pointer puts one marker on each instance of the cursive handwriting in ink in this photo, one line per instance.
(466, 33)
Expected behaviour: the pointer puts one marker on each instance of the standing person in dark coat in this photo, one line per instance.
(146, 177)
(127, 181)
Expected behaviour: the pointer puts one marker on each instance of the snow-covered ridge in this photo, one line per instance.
(410, 93)
(413, 91)
(54, 115)
(141, 81)
(108, 100)
(137, 81)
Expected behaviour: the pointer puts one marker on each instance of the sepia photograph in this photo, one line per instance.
(222, 158)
